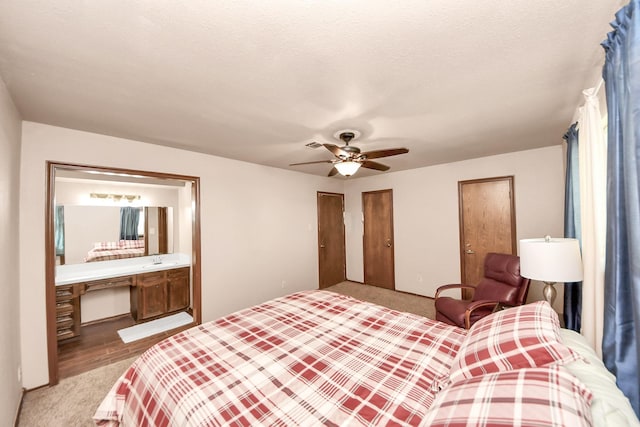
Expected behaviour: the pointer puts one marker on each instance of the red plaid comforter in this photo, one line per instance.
(310, 358)
(105, 251)
(107, 255)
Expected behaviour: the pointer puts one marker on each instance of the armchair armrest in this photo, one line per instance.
(452, 286)
(474, 306)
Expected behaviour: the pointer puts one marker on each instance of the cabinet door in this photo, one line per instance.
(152, 294)
(178, 289)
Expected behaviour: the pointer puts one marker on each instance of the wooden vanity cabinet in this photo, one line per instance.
(152, 294)
(160, 292)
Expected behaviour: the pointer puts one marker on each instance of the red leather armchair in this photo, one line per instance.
(502, 283)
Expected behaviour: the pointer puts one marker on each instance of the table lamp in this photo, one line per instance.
(551, 260)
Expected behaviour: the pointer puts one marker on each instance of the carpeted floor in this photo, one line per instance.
(74, 400)
(400, 301)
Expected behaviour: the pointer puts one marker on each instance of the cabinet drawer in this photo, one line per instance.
(63, 334)
(178, 273)
(153, 278)
(64, 322)
(64, 308)
(113, 282)
(64, 294)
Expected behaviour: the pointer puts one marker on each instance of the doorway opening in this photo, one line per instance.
(81, 334)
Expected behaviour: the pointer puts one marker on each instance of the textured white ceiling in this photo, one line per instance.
(255, 81)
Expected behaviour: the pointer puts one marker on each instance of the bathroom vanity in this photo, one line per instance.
(157, 286)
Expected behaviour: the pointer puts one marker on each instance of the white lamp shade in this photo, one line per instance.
(347, 168)
(551, 260)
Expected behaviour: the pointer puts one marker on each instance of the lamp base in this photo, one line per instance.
(549, 292)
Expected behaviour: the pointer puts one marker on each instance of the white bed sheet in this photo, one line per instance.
(610, 407)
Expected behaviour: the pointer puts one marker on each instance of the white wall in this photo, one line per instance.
(10, 129)
(425, 210)
(259, 225)
(81, 231)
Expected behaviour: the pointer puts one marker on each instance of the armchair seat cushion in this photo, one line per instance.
(452, 311)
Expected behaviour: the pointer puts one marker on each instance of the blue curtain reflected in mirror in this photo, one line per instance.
(129, 218)
(58, 221)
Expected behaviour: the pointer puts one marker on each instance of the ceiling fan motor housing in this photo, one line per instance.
(347, 136)
(351, 150)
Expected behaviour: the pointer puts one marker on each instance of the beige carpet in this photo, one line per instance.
(74, 400)
(400, 301)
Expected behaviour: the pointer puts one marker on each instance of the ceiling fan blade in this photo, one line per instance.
(376, 154)
(337, 151)
(375, 165)
(311, 163)
(333, 171)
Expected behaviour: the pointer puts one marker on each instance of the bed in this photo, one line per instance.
(105, 251)
(320, 358)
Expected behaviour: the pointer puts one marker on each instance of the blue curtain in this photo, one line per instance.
(58, 227)
(572, 291)
(129, 218)
(621, 333)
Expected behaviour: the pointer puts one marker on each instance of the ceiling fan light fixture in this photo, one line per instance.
(347, 168)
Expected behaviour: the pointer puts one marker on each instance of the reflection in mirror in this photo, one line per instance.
(102, 217)
(98, 233)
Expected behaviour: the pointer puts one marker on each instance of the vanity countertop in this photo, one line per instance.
(75, 273)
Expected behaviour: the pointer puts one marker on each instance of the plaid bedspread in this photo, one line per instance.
(310, 358)
(106, 255)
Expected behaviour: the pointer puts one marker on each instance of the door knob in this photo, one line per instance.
(388, 243)
(321, 245)
(469, 251)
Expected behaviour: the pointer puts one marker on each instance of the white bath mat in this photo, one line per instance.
(143, 330)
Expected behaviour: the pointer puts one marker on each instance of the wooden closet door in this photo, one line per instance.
(332, 264)
(487, 224)
(377, 208)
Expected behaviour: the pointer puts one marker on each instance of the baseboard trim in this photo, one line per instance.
(415, 295)
(395, 290)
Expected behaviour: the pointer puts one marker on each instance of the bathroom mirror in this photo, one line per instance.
(93, 233)
(92, 211)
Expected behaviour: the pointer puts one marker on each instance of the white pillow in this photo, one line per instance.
(610, 407)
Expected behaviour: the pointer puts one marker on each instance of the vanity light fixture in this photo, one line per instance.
(115, 197)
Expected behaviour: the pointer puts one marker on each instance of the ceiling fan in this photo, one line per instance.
(349, 158)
